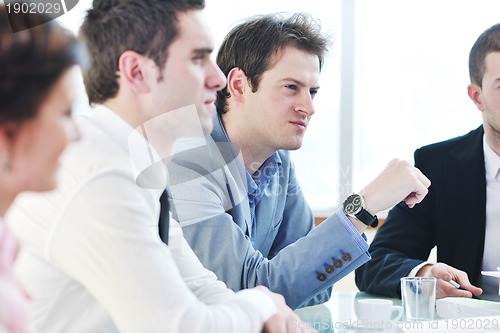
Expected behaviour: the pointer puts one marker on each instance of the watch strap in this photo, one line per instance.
(367, 218)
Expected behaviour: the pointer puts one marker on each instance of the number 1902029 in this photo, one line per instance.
(472, 323)
(34, 8)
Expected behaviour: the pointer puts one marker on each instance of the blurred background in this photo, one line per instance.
(396, 79)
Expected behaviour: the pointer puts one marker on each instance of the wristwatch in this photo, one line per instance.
(354, 206)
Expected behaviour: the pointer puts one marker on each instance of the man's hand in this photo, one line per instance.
(286, 323)
(399, 181)
(444, 273)
(285, 320)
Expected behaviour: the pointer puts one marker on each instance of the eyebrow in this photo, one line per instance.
(299, 83)
(202, 51)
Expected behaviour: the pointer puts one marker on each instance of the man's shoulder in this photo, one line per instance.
(92, 159)
(441, 147)
(94, 151)
(204, 159)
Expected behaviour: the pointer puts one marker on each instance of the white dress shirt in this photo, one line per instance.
(491, 256)
(92, 258)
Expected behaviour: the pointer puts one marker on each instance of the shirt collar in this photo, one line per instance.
(147, 165)
(258, 182)
(111, 124)
(491, 161)
(221, 129)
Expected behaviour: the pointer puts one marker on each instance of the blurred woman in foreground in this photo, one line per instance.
(37, 68)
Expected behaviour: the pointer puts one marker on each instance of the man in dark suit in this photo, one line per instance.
(459, 215)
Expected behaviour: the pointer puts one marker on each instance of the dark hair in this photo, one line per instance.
(488, 41)
(115, 26)
(31, 61)
(254, 46)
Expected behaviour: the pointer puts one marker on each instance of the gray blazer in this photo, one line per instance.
(286, 253)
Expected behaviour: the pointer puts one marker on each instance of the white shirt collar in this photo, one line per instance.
(111, 124)
(147, 165)
(491, 161)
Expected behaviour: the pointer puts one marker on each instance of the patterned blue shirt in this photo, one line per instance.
(257, 184)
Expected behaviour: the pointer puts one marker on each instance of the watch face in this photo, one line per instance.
(353, 204)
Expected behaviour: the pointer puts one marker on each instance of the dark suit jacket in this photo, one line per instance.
(451, 217)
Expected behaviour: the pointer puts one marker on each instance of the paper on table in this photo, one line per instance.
(460, 307)
(491, 273)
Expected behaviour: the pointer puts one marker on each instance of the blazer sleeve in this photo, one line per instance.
(203, 206)
(403, 241)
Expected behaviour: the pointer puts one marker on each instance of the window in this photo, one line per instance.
(412, 76)
(398, 71)
(320, 147)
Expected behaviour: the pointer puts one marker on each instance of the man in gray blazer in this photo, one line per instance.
(237, 197)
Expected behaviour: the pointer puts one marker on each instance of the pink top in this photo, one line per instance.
(13, 299)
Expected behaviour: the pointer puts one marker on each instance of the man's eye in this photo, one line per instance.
(292, 87)
(313, 92)
(199, 59)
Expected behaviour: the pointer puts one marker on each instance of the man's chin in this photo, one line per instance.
(207, 127)
(294, 145)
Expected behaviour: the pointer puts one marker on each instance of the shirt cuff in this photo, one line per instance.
(361, 240)
(264, 304)
(415, 270)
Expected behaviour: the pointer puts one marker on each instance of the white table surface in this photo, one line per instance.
(339, 315)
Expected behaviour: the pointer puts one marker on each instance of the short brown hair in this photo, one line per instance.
(487, 42)
(253, 44)
(112, 27)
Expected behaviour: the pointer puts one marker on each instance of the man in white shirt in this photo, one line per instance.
(92, 258)
(461, 215)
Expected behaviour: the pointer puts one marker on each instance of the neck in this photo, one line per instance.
(160, 133)
(253, 152)
(127, 110)
(492, 138)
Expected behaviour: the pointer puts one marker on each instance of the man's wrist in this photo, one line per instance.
(424, 269)
(368, 202)
(417, 268)
(360, 226)
(354, 206)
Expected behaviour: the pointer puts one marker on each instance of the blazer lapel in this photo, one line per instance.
(465, 203)
(235, 176)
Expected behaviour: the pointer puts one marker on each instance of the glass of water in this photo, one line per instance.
(418, 298)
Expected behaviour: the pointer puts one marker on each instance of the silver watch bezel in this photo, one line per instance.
(353, 204)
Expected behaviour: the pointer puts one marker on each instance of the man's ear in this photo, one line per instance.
(237, 84)
(133, 71)
(474, 92)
